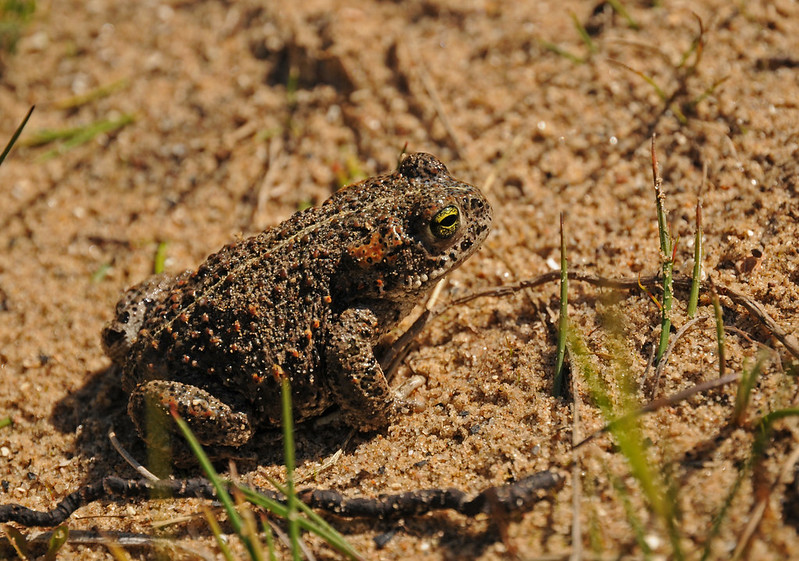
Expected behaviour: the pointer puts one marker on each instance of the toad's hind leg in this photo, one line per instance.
(213, 422)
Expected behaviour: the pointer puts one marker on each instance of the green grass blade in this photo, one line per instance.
(696, 275)
(748, 378)
(622, 11)
(763, 435)
(632, 517)
(666, 255)
(75, 136)
(217, 531)
(16, 134)
(93, 95)
(584, 35)
(629, 438)
(250, 527)
(85, 134)
(270, 538)
(719, 315)
(101, 272)
(697, 47)
(219, 485)
(288, 449)
(46, 136)
(562, 52)
(707, 93)
(658, 90)
(769, 419)
(159, 261)
(58, 538)
(17, 541)
(314, 523)
(563, 321)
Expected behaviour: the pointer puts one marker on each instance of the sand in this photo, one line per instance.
(244, 112)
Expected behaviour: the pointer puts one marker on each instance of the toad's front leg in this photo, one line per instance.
(354, 374)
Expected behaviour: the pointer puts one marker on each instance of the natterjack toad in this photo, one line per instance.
(308, 299)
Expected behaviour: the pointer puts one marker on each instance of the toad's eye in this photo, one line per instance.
(446, 222)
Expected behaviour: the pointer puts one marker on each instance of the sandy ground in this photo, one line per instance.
(245, 111)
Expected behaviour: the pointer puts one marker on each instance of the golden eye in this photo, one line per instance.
(446, 222)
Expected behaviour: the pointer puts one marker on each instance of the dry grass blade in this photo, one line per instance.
(16, 134)
(653, 386)
(435, 99)
(762, 434)
(658, 90)
(221, 542)
(670, 400)
(759, 311)
(757, 512)
(128, 457)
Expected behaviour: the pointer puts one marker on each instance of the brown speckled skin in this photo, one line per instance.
(307, 299)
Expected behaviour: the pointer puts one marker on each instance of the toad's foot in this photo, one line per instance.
(213, 422)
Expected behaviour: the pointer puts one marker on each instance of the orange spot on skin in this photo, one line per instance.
(369, 253)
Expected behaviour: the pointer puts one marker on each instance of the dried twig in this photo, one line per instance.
(512, 497)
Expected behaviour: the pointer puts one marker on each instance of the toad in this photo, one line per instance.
(307, 300)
